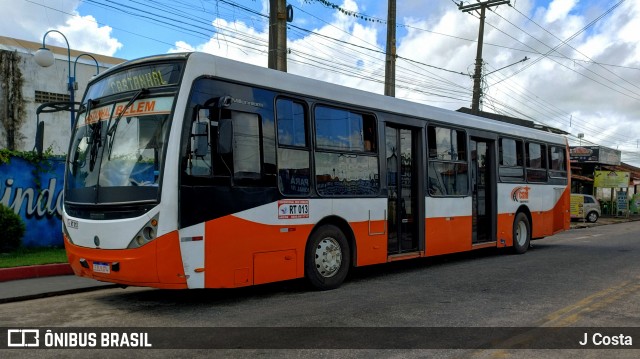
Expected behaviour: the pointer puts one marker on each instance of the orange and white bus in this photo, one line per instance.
(194, 171)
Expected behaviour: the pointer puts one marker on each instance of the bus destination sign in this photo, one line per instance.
(136, 81)
(136, 78)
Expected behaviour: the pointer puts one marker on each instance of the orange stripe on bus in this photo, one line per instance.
(447, 235)
(232, 244)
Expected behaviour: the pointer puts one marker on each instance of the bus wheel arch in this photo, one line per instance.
(329, 253)
(522, 224)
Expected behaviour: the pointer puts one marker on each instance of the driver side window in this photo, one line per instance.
(220, 144)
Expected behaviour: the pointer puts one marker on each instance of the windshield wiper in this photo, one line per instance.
(95, 134)
(112, 129)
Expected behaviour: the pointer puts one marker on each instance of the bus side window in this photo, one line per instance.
(447, 172)
(294, 174)
(511, 160)
(345, 164)
(246, 164)
(557, 164)
(536, 162)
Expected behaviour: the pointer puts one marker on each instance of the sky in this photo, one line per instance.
(582, 72)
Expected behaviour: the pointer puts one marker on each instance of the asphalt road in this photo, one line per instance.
(585, 278)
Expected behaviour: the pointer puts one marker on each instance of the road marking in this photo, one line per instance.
(566, 316)
(584, 237)
(572, 313)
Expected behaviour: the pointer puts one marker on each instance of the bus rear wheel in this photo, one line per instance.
(327, 258)
(521, 233)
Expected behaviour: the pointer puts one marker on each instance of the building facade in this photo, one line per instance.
(32, 188)
(24, 86)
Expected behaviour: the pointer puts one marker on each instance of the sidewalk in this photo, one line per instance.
(603, 221)
(32, 282)
(25, 283)
(41, 287)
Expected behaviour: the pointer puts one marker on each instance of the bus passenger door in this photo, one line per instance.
(402, 165)
(483, 189)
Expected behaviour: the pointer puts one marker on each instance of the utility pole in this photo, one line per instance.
(278, 16)
(477, 75)
(390, 63)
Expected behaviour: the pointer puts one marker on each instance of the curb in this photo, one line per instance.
(604, 221)
(26, 272)
(57, 293)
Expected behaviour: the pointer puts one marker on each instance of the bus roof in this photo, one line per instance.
(200, 64)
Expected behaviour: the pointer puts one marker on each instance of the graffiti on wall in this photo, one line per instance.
(36, 196)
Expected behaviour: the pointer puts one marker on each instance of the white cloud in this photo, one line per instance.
(85, 34)
(30, 21)
(559, 9)
(234, 40)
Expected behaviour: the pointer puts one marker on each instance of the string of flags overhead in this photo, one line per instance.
(349, 12)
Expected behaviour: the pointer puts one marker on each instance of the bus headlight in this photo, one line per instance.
(146, 234)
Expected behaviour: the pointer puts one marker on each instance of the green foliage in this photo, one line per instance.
(30, 156)
(33, 256)
(12, 228)
(41, 163)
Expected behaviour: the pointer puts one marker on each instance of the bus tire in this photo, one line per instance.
(327, 258)
(521, 233)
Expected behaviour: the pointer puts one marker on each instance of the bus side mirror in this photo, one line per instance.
(225, 136)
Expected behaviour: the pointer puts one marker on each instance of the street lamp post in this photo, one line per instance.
(44, 58)
(75, 63)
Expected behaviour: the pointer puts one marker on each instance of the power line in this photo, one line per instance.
(577, 50)
(568, 68)
(563, 42)
(242, 40)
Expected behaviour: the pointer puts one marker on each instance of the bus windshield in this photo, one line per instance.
(116, 152)
(117, 147)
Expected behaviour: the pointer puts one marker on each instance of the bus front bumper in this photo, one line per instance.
(157, 264)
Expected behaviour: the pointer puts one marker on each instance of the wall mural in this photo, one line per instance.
(35, 193)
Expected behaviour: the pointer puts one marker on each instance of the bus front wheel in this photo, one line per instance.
(521, 233)
(327, 258)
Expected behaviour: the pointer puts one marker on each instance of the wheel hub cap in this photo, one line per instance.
(328, 257)
(521, 233)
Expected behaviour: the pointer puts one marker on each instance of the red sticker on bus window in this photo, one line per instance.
(293, 208)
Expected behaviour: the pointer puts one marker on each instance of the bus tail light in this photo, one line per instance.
(146, 234)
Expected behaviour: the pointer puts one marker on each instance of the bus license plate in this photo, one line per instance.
(100, 267)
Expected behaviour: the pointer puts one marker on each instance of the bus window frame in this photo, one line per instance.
(307, 147)
(375, 153)
(464, 161)
(505, 177)
(543, 156)
(552, 172)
